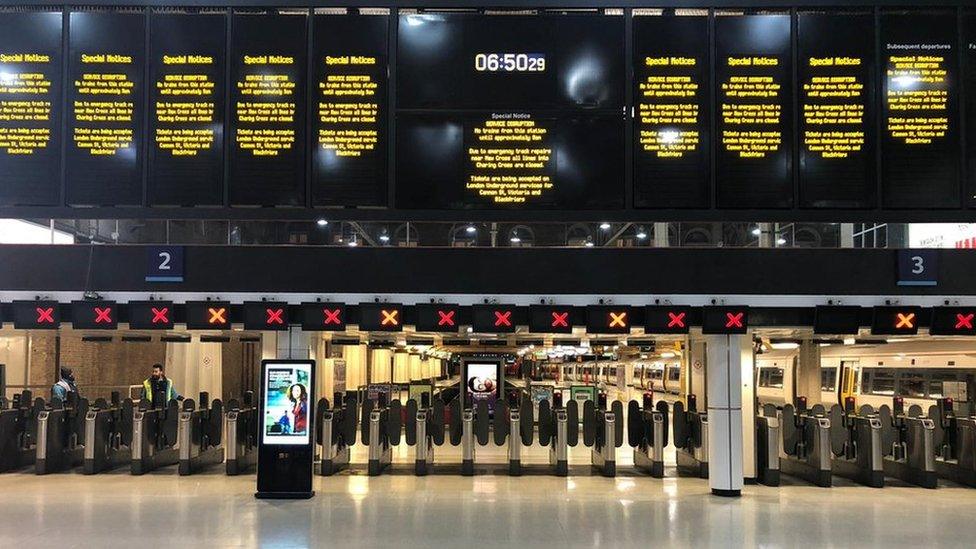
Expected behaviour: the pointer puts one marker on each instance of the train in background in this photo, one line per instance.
(920, 371)
(648, 375)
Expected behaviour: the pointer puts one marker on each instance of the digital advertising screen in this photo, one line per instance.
(754, 114)
(349, 121)
(920, 126)
(30, 109)
(672, 149)
(187, 75)
(105, 90)
(267, 130)
(288, 394)
(837, 75)
(481, 383)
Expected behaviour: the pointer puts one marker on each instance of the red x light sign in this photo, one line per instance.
(265, 315)
(953, 321)
(36, 315)
(890, 320)
(437, 317)
(446, 318)
(557, 319)
(493, 318)
(725, 320)
(91, 315)
(667, 319)
(326, 317)
(151, 315)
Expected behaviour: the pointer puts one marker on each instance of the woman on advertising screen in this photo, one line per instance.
(298, 396)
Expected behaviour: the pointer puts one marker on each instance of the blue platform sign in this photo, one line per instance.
(918, 268)
(164, 264)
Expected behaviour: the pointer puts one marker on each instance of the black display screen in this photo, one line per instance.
(969, 60)
(510, 112)
(30, 109)
(920, 135)
(438, 317)
(836, 71)
(725, 320)
(36, 315)
(380, 317)
(265, 315)
(151, 315)
(836, 319)
(753, 111)
(494, 318)
(204, 315)
(455, 61)
(671, 119)
(553, 319)
(608, 319)
(326, 317)
(267, 136)
(94, 315)
(186, 123)
(349, 118)
(105, 109)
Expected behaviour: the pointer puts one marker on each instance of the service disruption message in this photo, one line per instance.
(510, 159)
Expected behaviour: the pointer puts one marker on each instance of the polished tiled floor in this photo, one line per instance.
(489, 510)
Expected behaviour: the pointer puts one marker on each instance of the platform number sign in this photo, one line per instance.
(164, 264)
(918, 268)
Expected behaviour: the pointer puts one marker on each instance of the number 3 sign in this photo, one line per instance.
(918, 268)
(164, 264)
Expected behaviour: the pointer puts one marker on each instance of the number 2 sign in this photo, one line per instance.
(164, 264)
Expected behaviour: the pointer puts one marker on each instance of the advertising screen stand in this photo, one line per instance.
(483, 380)
(286, 447)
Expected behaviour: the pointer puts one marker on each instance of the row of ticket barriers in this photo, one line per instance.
(812, 443)
(866, 445)
(55, 436)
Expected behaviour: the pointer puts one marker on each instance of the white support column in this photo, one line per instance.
(724, 371)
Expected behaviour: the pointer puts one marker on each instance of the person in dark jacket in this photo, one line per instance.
(64, 385)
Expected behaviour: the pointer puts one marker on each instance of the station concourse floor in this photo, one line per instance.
(491, 509)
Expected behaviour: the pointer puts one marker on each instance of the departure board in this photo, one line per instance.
(187, 91)
(671, 122)
(919, 143)
(349, 162)
(836, 72)
(753, 111)
(969, 27)
(267, 137)
(510, 112)
(30, 109)
(105, 108)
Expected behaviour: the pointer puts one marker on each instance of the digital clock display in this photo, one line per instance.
(510, 62)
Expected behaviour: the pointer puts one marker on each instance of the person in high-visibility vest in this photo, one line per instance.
(158, 389)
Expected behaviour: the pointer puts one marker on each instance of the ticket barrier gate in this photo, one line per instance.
(154, 436)
(767, 446)
(690, 429)
(469, 428)
(18, 432)
(336, 432)
(806, 442)
(424, 428)
(607, 430)
(520, 431)
(200, 434)
(242, 435)
(647, 433)
(908, 444)
(108, 435)
(61, 435)
(558, 429)
(955, 442)
(855, 440)
(373, 431)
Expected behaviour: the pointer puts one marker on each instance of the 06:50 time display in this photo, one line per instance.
(510, 62)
